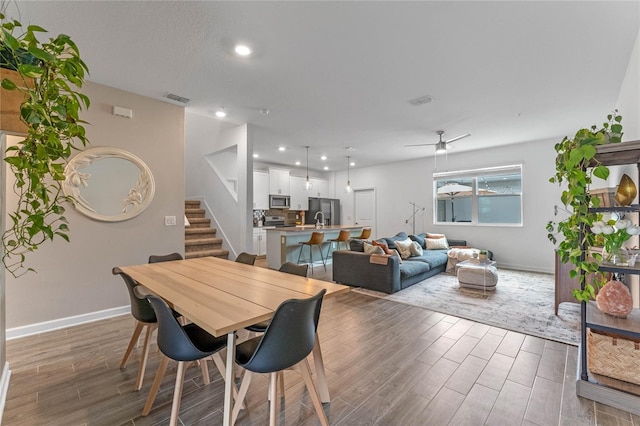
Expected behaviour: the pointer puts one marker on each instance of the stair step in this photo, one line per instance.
(203, 242)
(224, 254)
(199, 222)
(191, 233)
(192, 204)
(193, 213)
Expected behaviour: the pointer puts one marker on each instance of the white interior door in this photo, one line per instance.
(365, 208)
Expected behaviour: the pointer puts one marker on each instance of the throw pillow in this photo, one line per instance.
(419, 239)
(371, 249)
(416, 249)
(435, 235)
(437, 243)
(356, 245)
(404, 248)
(383, 246)
(395, 253)
(391, 242)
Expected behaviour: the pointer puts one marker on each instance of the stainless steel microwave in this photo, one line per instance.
(279, 201)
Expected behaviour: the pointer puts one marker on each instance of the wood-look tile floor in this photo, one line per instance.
(387, 364)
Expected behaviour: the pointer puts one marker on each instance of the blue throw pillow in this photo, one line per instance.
(356, 245)
(391, 242)
(419, 239)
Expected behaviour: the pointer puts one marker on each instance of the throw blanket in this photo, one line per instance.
(380, 259)
(458, 255)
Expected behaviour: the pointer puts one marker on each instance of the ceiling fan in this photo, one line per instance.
(441, 145)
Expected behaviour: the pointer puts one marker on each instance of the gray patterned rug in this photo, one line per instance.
(522, 302)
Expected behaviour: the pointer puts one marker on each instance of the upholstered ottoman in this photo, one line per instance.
(477, 275)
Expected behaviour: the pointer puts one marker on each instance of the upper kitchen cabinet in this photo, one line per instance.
(319, 188)
(260, 190)
(299, 195)
(279, 182)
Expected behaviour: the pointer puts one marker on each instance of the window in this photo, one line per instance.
(491, 196)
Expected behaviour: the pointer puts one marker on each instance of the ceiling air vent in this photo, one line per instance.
(420, 101)
(177, 98)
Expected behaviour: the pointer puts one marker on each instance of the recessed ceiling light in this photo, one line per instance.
(255, 156)
(326, 167)
(221, 113)
(264, 111)
(243, 50)
(323, 158)
(282, 148)
(297, 163)
(352, 164)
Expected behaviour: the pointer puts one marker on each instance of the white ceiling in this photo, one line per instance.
(339, 74)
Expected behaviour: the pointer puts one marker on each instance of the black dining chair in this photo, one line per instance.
(289, 268)
(155, 258)
(285, 344)
(145, 317)
(247, 258)
(182, 343)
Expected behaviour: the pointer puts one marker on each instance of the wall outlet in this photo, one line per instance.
(169, 221)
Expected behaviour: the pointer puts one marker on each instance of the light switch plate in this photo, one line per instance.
(169, 221)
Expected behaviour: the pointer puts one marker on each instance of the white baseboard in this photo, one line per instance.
(42, 327)
(4, 387)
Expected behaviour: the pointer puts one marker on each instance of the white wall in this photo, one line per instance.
(629, 98)
(75, 278)
(398, 184)
(231, 216)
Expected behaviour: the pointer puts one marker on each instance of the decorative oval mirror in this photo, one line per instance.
(109, 184)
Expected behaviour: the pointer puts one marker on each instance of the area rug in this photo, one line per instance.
(522, 302)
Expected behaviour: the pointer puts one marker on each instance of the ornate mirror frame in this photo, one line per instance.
(77, 180)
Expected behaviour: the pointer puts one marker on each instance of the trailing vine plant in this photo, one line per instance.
(48, 75)
(576, 166)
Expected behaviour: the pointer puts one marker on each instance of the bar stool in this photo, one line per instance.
(316, 240)
(366, 233)
(343, 237)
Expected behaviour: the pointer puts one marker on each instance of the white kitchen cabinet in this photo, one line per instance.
(299, 195)
(259, 241)
(279, 182)
(260, 190)
(319, 188)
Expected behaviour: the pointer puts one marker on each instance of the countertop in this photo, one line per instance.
(307, 228)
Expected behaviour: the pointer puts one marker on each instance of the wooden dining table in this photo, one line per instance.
(222, 297)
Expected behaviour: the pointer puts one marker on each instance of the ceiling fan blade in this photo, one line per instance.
(422, 144)
(457, 138)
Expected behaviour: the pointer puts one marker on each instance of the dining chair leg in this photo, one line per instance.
(177, 394)
(132, 343)
(273, 404)
(145, 354)
(162, 369)
(242, 393)
(281, 381)
(313, 393)
(318, 361)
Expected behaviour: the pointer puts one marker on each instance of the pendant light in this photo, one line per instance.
(307, 184)
(348, 188)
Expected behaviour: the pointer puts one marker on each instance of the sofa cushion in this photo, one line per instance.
(434, 258)
(419, 239)
(416, 249)
(356, 245)
(409, 269)
(391, 241)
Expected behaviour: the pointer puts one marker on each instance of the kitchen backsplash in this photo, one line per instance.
(291, 217)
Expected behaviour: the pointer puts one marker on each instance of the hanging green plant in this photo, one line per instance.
(574, 166)
(48, 74)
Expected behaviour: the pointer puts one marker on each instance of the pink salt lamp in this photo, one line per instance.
(614, 298)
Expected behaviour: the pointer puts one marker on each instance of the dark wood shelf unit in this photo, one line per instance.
(626, 153)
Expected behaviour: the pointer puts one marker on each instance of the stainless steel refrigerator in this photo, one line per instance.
(329, 207)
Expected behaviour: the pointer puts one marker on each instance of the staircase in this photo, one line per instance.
(199, 238)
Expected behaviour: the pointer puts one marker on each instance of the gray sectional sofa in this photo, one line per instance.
(353, 267)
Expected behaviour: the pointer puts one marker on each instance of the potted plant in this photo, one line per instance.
(482, 256)
(47, 74)
(574, 167)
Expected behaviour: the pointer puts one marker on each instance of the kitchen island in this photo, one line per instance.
(283, 244)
